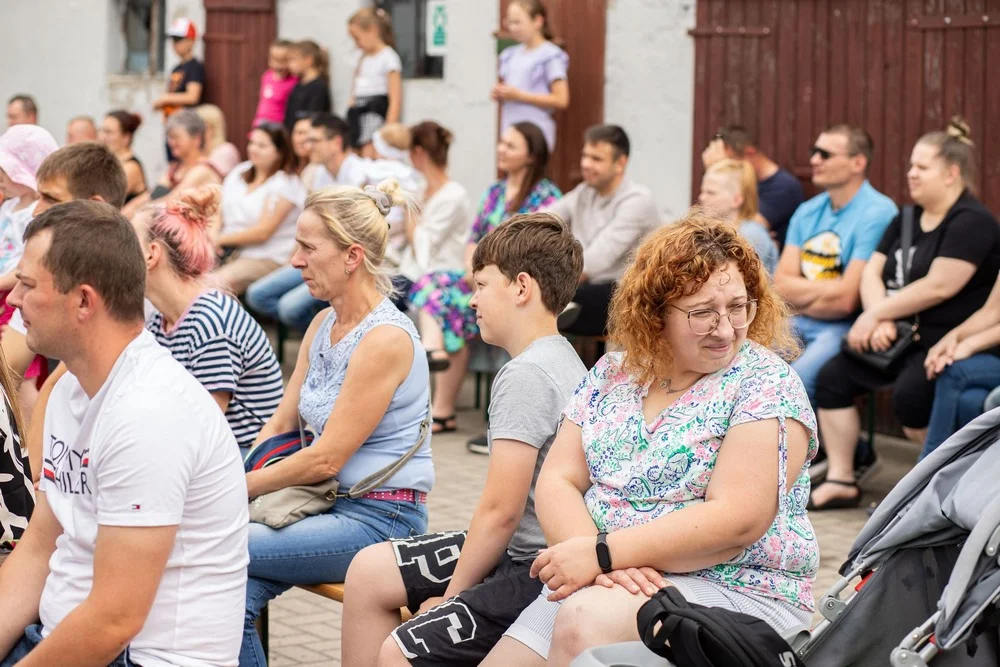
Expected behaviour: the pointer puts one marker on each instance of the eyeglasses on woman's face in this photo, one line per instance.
(704, 321)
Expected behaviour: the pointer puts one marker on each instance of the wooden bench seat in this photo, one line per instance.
(336, 592)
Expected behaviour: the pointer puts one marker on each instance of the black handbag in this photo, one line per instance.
(691, 635)
(907, 333)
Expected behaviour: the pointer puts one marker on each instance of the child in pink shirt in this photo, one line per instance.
(276, 85)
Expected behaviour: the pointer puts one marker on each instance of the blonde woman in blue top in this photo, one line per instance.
(362, 371)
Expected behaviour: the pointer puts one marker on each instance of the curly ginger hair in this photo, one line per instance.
(676, 261)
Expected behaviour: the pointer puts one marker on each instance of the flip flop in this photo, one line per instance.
(837, 503)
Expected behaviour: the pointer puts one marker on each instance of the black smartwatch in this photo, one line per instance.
(603, 553)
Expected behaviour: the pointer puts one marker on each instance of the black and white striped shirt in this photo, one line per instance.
(219, 343)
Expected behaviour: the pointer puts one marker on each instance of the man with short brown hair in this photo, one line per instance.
(22, 110)
(609, 214)
(142, 505)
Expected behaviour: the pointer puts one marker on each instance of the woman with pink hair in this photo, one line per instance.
(205, 329)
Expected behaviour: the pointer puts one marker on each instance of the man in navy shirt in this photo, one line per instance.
(779, 191)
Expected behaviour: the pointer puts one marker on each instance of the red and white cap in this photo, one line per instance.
(182, 29)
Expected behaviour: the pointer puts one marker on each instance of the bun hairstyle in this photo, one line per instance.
(369, 16)
(319, 55)
(128, 121)
(954, 145)
(181, 227)
(433, 139)
(353, 216)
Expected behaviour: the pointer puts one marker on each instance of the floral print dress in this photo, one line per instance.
(641, 471)
(445, 295)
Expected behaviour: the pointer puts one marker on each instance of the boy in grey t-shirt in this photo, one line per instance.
(468, 587)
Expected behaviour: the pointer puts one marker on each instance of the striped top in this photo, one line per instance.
(219, 343)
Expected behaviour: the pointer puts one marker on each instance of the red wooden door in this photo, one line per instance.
(579, 26)
(899, 68)
(237, 36)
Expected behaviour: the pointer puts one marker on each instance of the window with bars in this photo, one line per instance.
(409, 22)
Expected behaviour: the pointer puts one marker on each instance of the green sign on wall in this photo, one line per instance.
(437, 28)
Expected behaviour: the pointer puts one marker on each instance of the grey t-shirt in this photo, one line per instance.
(529, 395)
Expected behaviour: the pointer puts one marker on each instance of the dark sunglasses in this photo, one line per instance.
(825, 154)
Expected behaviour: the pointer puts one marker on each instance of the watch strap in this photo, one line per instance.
(603, 553)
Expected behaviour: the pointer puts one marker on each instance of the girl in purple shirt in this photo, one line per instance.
(533, 83)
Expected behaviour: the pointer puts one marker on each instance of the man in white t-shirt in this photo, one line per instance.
(137, 550)
(338, 165)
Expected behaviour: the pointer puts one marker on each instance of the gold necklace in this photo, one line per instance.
(665, 385)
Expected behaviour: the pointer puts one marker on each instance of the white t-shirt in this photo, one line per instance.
(151, 448)
(12, 226)
(242, 209)
(372, 76)
(441, 234)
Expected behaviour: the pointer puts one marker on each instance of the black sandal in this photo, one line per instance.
(443, 423)
(437, 364)
(837, 503)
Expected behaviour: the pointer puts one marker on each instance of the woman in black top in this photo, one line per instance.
(311, 95)
(953, 264)
(117, 130)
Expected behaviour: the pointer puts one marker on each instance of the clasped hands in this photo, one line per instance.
(869, 333)
(571, 565)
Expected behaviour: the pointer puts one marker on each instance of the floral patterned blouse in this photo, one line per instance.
(493, 207)
(642, 471)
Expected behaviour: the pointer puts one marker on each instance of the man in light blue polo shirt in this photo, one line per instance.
(830, 238)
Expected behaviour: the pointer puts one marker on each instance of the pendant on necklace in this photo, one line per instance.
(666, 385)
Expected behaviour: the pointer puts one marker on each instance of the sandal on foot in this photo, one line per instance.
(437, 361)
(441, 424)
(837, 503)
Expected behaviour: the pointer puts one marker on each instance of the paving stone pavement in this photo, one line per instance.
(305, 628)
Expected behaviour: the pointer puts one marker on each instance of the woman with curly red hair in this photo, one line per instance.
(682, 460)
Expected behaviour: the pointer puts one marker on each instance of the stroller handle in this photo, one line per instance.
(918, 648)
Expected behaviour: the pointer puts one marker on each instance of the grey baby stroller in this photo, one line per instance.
(927, 567)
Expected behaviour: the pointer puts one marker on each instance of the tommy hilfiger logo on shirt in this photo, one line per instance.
(67, 468)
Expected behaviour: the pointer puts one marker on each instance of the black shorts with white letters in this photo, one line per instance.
(464, 629)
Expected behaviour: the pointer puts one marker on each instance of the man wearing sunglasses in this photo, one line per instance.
(830, 238)
(778, 190)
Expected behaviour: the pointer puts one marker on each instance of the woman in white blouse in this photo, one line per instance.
(438, 235)
(436, 241)
(261, 199)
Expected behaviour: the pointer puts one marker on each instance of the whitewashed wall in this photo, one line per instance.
(649, 90)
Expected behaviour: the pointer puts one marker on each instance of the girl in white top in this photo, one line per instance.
(437, 237)
(377, 89)
(261, 200)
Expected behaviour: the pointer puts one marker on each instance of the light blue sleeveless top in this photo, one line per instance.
(400, 425)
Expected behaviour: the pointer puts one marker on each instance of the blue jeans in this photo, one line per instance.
(821, 340)
(959, 396)
(282, 295)
(317, 549)
(33, 637)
